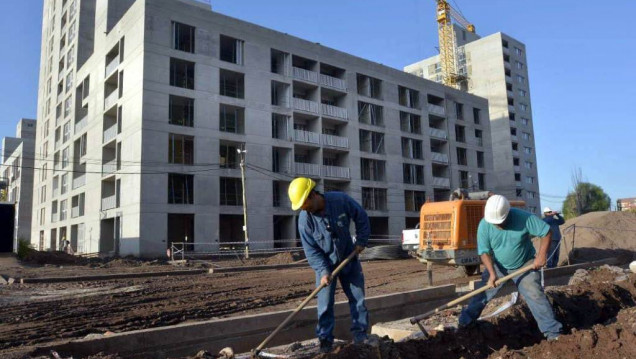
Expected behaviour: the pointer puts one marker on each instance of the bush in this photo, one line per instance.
(24, 247)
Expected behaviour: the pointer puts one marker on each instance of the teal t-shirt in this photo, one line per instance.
(512, 246)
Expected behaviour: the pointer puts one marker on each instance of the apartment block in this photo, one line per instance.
(16, 175)
(626, 204)
(497, 69)
(144, 114)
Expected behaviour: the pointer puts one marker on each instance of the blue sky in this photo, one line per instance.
(581, 57)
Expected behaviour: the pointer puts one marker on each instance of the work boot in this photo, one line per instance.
(325, 346)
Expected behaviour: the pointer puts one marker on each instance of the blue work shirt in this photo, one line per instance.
(325, 237)
(511, 247)
(554, 224)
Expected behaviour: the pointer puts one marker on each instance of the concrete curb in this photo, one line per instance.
(111, 276)
(245, 333)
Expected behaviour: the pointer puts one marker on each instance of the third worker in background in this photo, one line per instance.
(554, 220)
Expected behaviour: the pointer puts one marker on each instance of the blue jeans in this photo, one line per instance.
(555, 246)
(352, 282)
(529, 285)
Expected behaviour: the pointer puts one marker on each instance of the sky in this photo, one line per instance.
(581, 57)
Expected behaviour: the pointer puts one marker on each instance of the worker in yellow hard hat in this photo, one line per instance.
(323, 225)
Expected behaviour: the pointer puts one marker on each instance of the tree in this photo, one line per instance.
(586, 197)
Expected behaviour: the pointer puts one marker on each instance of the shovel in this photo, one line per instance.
(419, 318)
(256, 352)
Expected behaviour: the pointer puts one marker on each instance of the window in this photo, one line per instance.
(44, 172)
(43, 194)
(77, 204)
(180, 188)
(525, 136)
(83, 145)
(67, 132)
(481, 181)
(228, 155)
(518, 192)
(460, 133)
(459, 110)
(518, 177)
(42, 219)
(410, 123)
(525, 121)
(519, 65)
(464, 181)
(63, 210)
(231, 119)
(521, 79)
(182, 73)
(372, 142)
(408, 97)
(64, 183)
(476, 116)
(515, 146)
(372, 170)
(70, 57)
(374, 199)
(370, 114)
(479, 138)
(181, 111)
(524, 107)
(183, 37)
(369, 86)
(413, 200)
(480, 159)
(522, 93)
(529, 180)
(65, 157)
(180, 149)
(462, 159)
(530, 195)
(231, 84)
(527, 150)
(231, 192)
(411, 148)
(67, 106)
(513, 131)
(518, 51)
(413, 174)
(528, 165)
(232, 50)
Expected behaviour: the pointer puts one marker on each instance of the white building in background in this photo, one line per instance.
(497, 69)
(143, 105)
(16, 171)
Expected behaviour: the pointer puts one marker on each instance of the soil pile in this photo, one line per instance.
(597, 314)
(56, 258)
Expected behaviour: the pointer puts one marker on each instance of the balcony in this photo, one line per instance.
(306, 105)
(110, 133)
(79, 181)
(109, 167)
(510, 93)
(306, 136)
(109, 202)
(305, 75)
(53, 217)
(511, 108)
(436, 109)
(334, 111)
(81, 124)
(333, 82)
(75, 212)
(335, 172)
(60, 97)
(436, 133)
(513, 138)
(335, 141)
(307, 169)
(518, 184)
(439, 157)
(506, 50)
(112, 66)
(57, 145)
(441, 182)
(508, 79)
(517, 168)
(515, 153)
(111, 100)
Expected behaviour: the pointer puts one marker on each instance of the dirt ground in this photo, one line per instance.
(39, 313)
(598, 313)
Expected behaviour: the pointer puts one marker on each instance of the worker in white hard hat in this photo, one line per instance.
(504, 244)
(554, 219)
(323, 224)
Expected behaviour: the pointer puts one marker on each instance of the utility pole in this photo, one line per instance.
(242, 153)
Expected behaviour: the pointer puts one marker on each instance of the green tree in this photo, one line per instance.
(585, 198)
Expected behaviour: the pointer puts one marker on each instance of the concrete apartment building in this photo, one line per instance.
(626, 204)
(497, 69)
(16, 171)
(143, 105)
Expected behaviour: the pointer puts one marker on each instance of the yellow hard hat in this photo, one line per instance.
(299, 190)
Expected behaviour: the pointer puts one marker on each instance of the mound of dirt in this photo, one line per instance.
(598, 235)
(597, 314)
(280, 258)
(56, 258)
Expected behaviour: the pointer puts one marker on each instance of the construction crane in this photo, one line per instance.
(447, 42)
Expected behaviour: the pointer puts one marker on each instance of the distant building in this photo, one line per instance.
(16, 175)
(625, 204)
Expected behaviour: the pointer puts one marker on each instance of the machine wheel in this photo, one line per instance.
(469, 270)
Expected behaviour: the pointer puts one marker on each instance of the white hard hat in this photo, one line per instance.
(497, 209)
(547, 209)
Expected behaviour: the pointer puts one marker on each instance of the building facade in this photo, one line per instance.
(626, 204)
(16, 172)
(145, 112)
(497, 69)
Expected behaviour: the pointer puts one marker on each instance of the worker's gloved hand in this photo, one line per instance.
(359, 249)
(539, 261)
(492, 281)
(324, 280)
